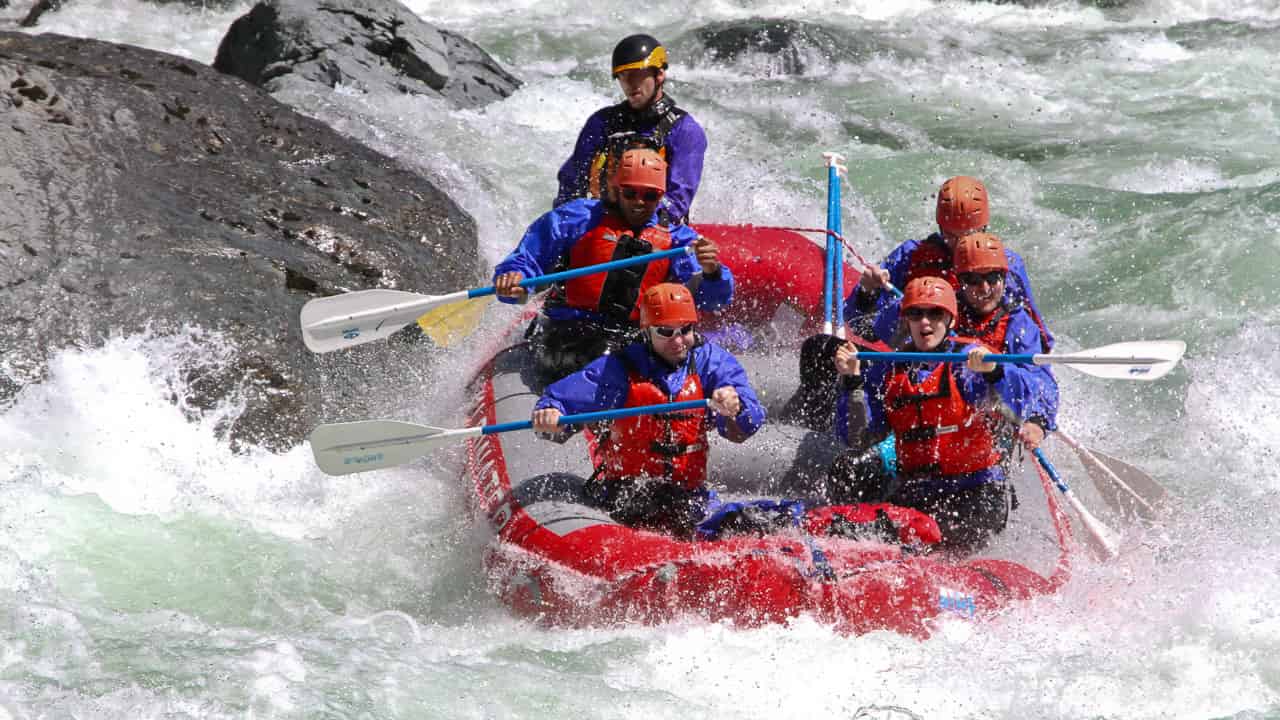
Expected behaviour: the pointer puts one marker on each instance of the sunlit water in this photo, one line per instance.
(1132, 157)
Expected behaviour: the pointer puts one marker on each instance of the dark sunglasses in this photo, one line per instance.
(649, 195)
(667, 332)
(991, 278)
(935, 314)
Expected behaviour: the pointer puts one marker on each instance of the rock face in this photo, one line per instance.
(142, 190)
(362, 44)
(772, 46)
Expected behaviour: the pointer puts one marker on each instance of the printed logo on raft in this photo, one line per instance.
(362, 459)
(957, 602)
(491, 487)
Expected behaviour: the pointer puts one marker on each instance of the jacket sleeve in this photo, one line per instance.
(601, 385)
(688, 147)
(1013, 385)
(718, 368)
(709, 293)
(1020, 288)
(573, 175)
(1023, 336)
(548, 239)
(860, 412)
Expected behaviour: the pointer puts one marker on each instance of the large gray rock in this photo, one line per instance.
(143, 190)
(774, 46)
(365, 44)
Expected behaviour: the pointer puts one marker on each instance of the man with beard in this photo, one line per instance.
(648, 117)
(585, 316)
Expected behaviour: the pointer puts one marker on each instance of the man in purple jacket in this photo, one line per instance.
(648, 117)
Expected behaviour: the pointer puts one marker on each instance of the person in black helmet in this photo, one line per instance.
(648, 117)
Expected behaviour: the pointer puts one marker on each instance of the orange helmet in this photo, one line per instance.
(640, 168)
(979, 251)
(926, 292)
(669, 304)
(962, 206)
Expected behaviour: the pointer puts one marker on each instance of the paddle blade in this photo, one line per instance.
(342, 321)
(1114, 361)
(345, 448)
(1127, 490)
(453, 321)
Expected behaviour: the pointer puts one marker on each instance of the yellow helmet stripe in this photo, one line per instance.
(657, 58)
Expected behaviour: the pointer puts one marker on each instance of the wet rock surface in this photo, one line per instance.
(362, 44)
(144, 191)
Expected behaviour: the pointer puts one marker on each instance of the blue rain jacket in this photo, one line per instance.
(604, 383)
(546, 245)
(1023, 336)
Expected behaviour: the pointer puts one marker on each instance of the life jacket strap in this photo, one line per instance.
(671, 450)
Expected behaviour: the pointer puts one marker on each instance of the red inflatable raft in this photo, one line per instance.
(560, 561)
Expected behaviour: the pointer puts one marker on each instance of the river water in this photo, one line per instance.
(1133, 159)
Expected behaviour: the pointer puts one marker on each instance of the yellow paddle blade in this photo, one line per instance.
(454, 321)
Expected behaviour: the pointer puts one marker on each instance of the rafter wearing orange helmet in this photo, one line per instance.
(987, 318)
(948, 464)
(963, 208)
(588, 315)
(652, 468)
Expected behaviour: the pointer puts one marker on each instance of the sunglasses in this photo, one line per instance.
(934, 314)
(649, 195)
(990, 278)
(667, 332)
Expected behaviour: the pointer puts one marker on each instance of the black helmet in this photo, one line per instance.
(638, 51)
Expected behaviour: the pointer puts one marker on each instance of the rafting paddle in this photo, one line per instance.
(1139, 360)
(1129, 491)
(1104, 538)
(342, 321)
(345, 448)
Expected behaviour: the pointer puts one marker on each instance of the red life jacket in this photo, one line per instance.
(932, 258)
(936, 432)
(670, 445)
(614, 294)
(992, 329)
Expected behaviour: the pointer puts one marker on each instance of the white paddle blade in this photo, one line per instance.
(1126, 489)
(345, 448)
(342, 321)
(1103, 539)
(1139, 360)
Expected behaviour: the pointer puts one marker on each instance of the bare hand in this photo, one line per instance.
(976, 361)
(725, 401)
(874, 279)
(508, 285)
(707, 254)
(546, 420)
(1031, 435)
(846, 360)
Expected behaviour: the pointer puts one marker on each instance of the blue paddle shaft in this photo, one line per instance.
(872, 356)
(588, 270)
(832, 257)
(601, 415)
(1049, 468)
(837, 226)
